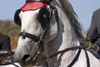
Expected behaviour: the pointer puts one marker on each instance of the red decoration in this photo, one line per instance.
(32, 6)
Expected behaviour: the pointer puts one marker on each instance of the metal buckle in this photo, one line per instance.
(89, 45)
(96, 48)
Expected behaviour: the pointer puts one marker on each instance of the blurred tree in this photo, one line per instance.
(14, 31)
(5, 26)
(14, 35)
(9, 28)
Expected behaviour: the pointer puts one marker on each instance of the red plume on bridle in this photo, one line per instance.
(32, 6)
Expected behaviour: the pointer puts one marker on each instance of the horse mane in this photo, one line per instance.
(72, 16)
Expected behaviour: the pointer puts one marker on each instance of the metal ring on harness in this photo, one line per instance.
(89, 45)
(94, 48)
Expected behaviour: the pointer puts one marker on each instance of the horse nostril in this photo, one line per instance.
(25, 57)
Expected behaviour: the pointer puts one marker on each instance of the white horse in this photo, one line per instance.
(62, 31)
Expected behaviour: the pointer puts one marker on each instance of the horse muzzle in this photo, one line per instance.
(22, 55)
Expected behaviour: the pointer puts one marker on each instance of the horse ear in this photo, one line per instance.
(16, 17)
(43, 16)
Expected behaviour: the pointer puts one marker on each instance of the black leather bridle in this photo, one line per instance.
(40, 38)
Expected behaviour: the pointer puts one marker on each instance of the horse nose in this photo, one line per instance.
(16, 58)
(22, 55)
(26, 57)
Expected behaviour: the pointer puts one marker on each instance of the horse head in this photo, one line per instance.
(38, 26)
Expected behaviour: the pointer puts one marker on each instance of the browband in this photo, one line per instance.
(43, 1)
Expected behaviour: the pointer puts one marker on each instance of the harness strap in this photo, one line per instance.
(67, 49)
(87, 58)
(77, 56)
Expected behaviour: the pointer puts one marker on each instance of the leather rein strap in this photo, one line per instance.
(59, 52)
(75, 59)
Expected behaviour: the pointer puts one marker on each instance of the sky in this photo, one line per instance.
(83, 8)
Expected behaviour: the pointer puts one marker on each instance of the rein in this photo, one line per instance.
(59, 52)
(71, 48)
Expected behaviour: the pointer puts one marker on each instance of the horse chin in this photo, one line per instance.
(27, 63)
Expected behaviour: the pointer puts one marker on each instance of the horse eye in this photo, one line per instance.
(44, 16)
(30, 41)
